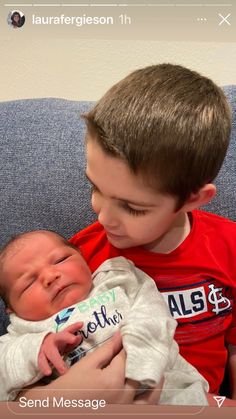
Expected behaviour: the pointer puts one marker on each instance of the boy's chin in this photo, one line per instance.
(121, 242)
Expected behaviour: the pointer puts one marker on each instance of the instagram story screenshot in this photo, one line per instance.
(86, 87)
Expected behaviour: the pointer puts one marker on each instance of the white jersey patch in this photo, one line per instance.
(186, 303)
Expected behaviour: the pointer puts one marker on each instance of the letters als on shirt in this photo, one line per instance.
(186, 303)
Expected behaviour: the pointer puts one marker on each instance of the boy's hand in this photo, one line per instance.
(98, 375)
(56, 344)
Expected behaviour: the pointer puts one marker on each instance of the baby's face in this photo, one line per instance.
(44, 275)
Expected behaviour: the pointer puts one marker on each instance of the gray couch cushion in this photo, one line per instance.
(42, 169)
(225, 201)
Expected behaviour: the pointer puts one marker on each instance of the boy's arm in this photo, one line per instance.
(99, 375)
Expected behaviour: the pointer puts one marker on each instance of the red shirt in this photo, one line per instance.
(198, 282)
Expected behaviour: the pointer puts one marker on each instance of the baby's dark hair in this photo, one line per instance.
(10, 244)
(170, 125)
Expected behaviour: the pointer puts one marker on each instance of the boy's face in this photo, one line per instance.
(43, 276)
(131, 212)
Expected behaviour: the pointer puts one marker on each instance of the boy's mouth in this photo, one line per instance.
(114, 236)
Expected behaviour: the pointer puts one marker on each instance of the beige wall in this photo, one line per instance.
(84, 69)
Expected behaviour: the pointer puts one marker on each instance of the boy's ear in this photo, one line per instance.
(202, 197)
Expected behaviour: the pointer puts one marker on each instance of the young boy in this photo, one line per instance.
(155, 143)
(45, 280)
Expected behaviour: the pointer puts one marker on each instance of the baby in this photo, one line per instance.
(47, 287)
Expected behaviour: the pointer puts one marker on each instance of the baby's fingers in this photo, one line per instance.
(57, 361)
(73, 328)
(70, 346)
(67, 339)
(43, 364)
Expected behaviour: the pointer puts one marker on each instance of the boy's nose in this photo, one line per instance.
(108, 223)
(48, 276)
(107, 218)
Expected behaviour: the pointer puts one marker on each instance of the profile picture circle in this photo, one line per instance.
(16, 19)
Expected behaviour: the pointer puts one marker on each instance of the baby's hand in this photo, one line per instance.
(56, 344)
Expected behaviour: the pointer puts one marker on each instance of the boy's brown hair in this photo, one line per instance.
(169, 124)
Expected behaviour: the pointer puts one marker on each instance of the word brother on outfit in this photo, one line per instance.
(101, 320)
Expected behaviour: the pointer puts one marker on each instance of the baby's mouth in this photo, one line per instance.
(60, 291)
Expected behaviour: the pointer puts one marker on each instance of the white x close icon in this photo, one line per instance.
(224, 19)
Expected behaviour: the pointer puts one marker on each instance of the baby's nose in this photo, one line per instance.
(48, 276)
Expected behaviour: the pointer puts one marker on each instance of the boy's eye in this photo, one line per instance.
(134, 212)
